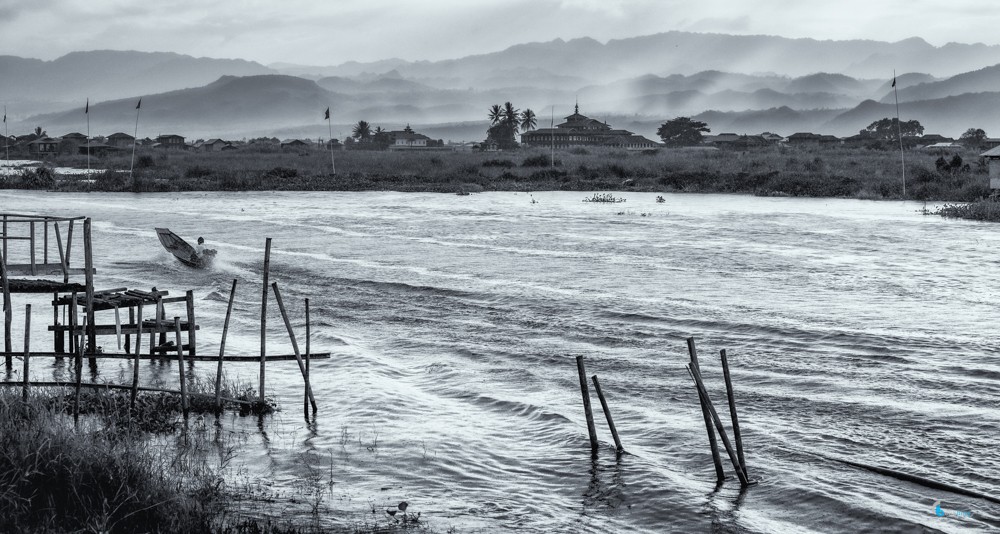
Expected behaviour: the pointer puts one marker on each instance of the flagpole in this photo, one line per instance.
(899, 132)
(330, 125)
(135, 139)
(552, 133)
(86, 111)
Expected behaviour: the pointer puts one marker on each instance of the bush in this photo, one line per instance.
(540, 160)
(504, 163)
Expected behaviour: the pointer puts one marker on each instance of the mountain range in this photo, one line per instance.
(740, 84)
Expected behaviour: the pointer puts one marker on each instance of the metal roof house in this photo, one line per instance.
(580, 130)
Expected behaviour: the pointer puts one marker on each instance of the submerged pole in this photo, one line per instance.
(263, 317)
(8, 316)
(295, 345)
(732, 412)
(138, 350)
(27, 347)
(305, 397)
(591, 430)
(88, 265)
(703, 393)
(712, 443)
(180, 365)
(222, 348)
(607, 414)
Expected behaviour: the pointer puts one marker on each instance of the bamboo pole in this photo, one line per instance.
(295, 345)
(180, 365)
(31, 242)
(62, 257)
(222, 348)
(189, 301)
(703, 393)
(69, 247)
(712, 443)
(607, 414)
(128, 337)
(305, 396)
(8, 316)
(5, 235)
(591, 430)
(57, 335)
(263, 317)
(88, 263)
(79, 366)
(161, 318)
(45, 243)
(732, 412)
(27, 346)
(135, 362)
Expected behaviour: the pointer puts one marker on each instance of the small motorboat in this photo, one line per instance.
(183, 251)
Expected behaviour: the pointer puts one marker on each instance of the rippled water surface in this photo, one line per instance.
(856, 330)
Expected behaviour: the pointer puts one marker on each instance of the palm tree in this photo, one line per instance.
(510, 115)
(496, 113)
(362, 131)
(528, 120)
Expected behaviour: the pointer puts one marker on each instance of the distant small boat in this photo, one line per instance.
(182, 250)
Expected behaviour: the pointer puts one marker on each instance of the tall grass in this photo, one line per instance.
(791, 171)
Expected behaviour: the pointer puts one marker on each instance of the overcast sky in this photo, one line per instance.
(330, 32)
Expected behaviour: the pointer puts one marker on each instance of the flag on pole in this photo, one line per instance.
(894, 81)
(326, 116)
(139, 105)
(86, 109)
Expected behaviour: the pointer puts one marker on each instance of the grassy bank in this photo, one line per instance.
(784, 171)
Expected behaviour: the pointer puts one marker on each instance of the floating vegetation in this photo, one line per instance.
(604, 197)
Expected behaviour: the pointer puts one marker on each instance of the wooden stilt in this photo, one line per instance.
(31, 244)
(128, 337)
(607, 414)
(263, 317)
(138, 350)
(222, 348)
(189, 301)
(45, 244)
(79, 364)
(180, 366)
(62, 257)
(8, 315)
(88, 263)
(703, 393)
(295, 345)
(591, 430)
(305, 397)
(732, 412)
(27, 347)
(712, 443)
(57, 336)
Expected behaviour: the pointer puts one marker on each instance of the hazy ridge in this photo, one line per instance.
(740, 84)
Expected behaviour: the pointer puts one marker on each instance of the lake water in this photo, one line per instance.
(855, 329)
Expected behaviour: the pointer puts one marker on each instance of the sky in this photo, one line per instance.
(331, 32)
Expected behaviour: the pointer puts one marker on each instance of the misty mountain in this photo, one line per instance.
(34, 86)
(977, 81)
(687, 53)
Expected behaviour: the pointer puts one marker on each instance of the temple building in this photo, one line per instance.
(580, 130)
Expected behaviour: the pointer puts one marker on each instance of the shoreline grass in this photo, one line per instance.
(843, 172)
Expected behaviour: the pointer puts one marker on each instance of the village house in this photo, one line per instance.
(214, 145)
(170, 142)
(44, 146)
(75, 137)
(993, 160)
(580, 130)
(295, 143)
(120, 140)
